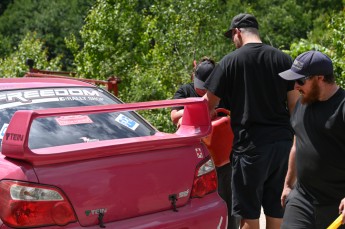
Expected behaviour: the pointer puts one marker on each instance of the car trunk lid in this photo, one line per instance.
(126, 185)
(120, 178)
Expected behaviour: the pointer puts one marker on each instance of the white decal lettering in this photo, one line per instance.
(47, 93)
(30, 94)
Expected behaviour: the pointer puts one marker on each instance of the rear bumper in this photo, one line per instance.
(207, 212)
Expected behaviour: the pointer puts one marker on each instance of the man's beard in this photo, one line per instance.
(313, 95)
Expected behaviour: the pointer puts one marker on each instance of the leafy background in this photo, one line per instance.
(151, 44)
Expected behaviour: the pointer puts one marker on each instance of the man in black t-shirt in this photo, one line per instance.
(318, 153)
(259, 101)
(196, 89)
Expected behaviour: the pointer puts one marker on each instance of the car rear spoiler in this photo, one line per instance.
(195, 125)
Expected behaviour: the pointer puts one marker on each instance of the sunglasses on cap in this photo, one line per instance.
(301, 81)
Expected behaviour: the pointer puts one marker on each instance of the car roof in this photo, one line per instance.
(22, 83)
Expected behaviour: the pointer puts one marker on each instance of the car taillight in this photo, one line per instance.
(205, 179)
(32, 205)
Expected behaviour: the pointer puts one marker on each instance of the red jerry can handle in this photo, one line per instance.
(219, 142)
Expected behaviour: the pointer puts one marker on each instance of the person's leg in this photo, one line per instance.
(277, 166)
(249, 169)
(224, 174)
(250, 224)
(299, 212)
(272, 223)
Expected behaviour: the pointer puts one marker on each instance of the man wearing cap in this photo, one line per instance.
(196, 89)
(315, 181)
(259, 101)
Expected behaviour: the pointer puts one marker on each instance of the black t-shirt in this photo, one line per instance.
(185, 91)
(256, 95)
(320, 148)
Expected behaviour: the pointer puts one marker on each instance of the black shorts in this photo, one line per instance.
(300, 213)
(258, 179)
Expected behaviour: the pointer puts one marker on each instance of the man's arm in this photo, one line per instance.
(290, 178)
(213, 102)
(292, 97)
(176, 116)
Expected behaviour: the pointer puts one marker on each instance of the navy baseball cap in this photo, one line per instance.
(242, 21)
(202, 72)
(309, 64)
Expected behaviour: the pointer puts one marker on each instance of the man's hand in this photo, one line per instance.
(179, 123)
(212, 101)
(341, 210)
(213, 114)
(285, 193)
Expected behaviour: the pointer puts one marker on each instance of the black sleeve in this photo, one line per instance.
(179, 94)
(215, 82)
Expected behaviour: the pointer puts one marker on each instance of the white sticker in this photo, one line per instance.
(86, 139)
(183, 194)
(3, 130)
(73, 120)
(124, 120)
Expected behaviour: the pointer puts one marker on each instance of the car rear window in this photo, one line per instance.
(64, 130)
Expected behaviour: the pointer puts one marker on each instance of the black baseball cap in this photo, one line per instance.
(242, 20)
(202, 72)
(309, 64)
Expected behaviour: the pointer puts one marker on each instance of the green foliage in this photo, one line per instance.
(29, 48)
(151, 44)
(283, 23)
(111, 38)
(337, 40)
(150, 47)
(3, 5)
(51, 20)
(160, 119)
(332, 43)
(5, 45)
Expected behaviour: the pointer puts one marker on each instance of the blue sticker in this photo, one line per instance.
(3, 130)
(124, 120)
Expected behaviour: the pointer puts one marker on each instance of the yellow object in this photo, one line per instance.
(336, 223)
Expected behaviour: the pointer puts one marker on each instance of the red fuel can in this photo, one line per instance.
(219, 142)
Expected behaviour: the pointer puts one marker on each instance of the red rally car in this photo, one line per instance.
(74, 156)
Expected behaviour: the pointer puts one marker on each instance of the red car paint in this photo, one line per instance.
(102, 177)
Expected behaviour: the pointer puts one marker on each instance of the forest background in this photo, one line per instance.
(151, 44)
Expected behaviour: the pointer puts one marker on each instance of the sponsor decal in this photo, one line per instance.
(73, 120)
(14, 137)
(199, 153)
(95, 211)
(30, 95)
(80, 98)
(124, 120)
(3, 130)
